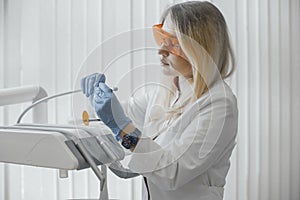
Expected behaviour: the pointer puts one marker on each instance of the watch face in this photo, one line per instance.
(126, 142)
(129, 140)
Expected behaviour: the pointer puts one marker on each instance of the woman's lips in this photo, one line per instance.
(163, 62)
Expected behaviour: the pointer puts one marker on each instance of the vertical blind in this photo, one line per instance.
(44, 42)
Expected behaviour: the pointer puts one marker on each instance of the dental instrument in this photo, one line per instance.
(48, 98)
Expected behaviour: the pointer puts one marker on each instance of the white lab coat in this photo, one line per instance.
(190, 159)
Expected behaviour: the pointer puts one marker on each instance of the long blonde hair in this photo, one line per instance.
(203, 36)
(202, 22)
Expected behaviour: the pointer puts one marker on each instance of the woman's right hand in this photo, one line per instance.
(89, 82)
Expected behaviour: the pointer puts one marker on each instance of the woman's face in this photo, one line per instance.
(173, 65)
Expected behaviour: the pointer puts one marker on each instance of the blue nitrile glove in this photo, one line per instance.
(89, 82)
(109, 109)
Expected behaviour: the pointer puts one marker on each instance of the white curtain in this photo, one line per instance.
(44, 42)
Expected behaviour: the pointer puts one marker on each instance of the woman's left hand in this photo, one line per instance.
(109, 109)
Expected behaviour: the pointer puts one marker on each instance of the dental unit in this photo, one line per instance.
(62, 147)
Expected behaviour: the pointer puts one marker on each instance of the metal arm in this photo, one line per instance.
(24, 94)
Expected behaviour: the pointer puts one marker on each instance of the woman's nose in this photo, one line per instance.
(163, 51)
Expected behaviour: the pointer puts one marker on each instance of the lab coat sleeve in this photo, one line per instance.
(192, 152)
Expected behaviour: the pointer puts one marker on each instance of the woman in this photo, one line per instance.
(181, 135)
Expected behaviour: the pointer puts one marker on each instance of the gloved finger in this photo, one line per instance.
(86, 86)
(105, 88)
(99, 92)
(98, 99)
(90, 85)
(82, 85)
(104, 95)
(99, 78)
(91, 98)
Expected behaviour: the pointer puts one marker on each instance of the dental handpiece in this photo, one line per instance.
(52, 97)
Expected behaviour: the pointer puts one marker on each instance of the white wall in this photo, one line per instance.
(45, 41)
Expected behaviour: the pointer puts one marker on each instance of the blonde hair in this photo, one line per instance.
(203, 36)
(202, 22)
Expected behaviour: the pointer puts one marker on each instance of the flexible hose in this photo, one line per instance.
(43, 100)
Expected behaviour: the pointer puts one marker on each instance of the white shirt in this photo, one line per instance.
(190, 159)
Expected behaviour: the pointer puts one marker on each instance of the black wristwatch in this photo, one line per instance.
(131, 139)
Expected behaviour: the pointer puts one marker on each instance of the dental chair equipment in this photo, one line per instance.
(63, 147)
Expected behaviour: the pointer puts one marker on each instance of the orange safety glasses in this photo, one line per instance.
(170, 42)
